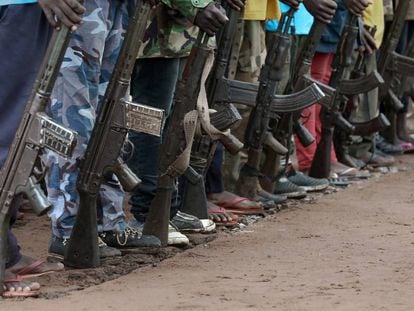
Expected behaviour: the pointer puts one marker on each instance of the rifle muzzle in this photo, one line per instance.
(232, 144)
(36, 197)
(127, 178)
(304, 136)
(394, 102)
(276, 146)
(343, 123)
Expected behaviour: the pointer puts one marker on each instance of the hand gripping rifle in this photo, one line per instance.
(36, 131)
(321, 164)
(257, 131)
(102, 157)
(176, 148)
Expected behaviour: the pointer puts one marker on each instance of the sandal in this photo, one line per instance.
(27, 290)
(236, 204)
(28, 271)
(234, 207)
(221, 217)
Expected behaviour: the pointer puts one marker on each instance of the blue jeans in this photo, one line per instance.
(24, 35)
(153, 83)
(214, 175)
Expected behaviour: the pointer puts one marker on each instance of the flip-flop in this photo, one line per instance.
(17, 294)
(407, 147)
(231, 206)
(27, 271)
(222, 211)
(354, 173)
(339, 182)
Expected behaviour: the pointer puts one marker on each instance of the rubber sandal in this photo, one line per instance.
(222, 211)
(26, 272)
(407, 147)
(17, 294)
(231, 206)
(339, 182)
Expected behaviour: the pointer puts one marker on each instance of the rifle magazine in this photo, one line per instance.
(361, 85)
(144, 119)
(56, 137)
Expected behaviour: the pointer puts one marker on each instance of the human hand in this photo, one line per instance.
(356, 7)
(369, 41)
(210, 19)
(292, 3)
(322, 10)
(69, 12)
(237, 5)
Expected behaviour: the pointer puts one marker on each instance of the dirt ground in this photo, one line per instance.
(351, 250)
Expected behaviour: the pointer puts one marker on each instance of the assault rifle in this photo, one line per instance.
(405, 79)
(175, 149)
(374, 125)
(102, 156)
(35, 132)
(392, 65)
(222, 92)
(258, 124)
(194, 200)
(321, 164)
(290, 122)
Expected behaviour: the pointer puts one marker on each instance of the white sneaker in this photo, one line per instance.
(184, 222)
(175, 237)
(208, 225)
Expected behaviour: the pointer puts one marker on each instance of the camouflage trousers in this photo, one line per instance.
(83, 78)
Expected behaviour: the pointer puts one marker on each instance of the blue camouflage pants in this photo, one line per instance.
(84, 76)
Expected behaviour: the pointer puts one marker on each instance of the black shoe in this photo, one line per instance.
(386, 147)
(276, 198)
(57, 248)
(289, 189)
(188, 223)
(306, 182)
(129, 238)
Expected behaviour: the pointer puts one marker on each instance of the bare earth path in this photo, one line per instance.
(353, 250)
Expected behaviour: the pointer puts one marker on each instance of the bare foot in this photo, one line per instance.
(219, 214)
(15, 287)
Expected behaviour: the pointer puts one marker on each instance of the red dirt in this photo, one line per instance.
(352, 250)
